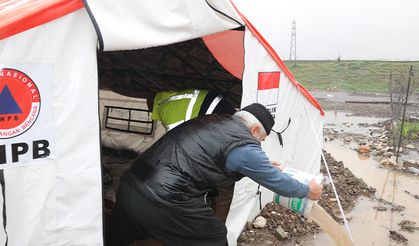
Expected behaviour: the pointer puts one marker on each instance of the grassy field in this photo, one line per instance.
(354, 76)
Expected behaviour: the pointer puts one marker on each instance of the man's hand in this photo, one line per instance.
(278, 165)
(315, 190)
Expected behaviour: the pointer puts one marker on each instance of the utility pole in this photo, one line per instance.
(293, 46)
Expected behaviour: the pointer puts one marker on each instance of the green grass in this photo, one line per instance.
(352, 76)
(410, 130)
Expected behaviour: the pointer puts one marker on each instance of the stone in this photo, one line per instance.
(363, 149)
(380, 152)
(400, 150)
(363, 141)
(281, 234)
(397, 208)
(410, 162)
(407, 225)
(392, 161)
(249, 225)
(413, 170)
(410, 146)
(388, 154)
(353, 146)
(399, 238)
(380, 208)
(260, 222)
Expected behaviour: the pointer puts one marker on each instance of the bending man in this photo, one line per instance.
(166, 191)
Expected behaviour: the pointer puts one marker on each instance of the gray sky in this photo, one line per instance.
(355, 29)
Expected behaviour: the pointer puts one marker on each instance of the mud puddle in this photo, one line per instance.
(345, 122)
(371, 220)
(388, 218)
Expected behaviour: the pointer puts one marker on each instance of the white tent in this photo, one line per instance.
(49, 108)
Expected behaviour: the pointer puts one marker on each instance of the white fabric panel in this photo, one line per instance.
(126, 24)
(58, 201)
(125, 140)
(302, 139)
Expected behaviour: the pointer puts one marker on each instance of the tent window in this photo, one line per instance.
(128, 120)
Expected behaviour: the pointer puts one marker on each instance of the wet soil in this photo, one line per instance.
(297, 228)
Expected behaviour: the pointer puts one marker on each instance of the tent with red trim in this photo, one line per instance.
(54, 55)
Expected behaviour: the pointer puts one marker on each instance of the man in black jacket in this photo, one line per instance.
(166, 191)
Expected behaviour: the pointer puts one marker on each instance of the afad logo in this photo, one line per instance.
(20, 103)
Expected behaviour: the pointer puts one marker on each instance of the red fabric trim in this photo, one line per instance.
(16, 17)
(278, 60)
(268, 80)
(227, 48)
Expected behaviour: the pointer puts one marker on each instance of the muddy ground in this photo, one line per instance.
(298, 228)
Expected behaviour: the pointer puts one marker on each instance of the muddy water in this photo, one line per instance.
(330, 226)
(345, 122)
(368, 226)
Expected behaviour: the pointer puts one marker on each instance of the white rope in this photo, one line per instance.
(328, 174)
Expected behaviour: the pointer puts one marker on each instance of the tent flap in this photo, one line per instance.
(124, 25)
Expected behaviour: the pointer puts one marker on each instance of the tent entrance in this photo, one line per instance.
(135, 76)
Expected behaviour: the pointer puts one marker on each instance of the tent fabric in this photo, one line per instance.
(66, 207)
(56, 200)
(19, 16)
(121, 27)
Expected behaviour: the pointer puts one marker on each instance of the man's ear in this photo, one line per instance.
(254, 130)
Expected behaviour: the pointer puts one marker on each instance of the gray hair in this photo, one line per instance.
(250, 120)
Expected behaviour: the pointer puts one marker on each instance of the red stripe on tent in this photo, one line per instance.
(19, 16)
(278, 60)
(268, 80)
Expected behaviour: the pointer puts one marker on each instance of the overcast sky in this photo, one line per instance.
(355, 29)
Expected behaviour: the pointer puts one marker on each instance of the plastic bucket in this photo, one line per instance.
(304, 205)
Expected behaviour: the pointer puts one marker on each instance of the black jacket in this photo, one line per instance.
(188, 163)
